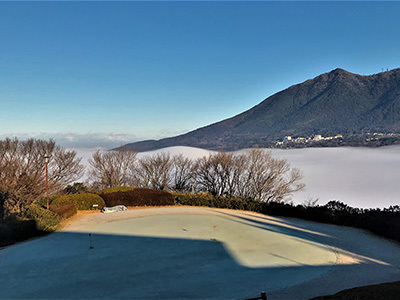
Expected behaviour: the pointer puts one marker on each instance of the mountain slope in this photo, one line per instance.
(337, 102)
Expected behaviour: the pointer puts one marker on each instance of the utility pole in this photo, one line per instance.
(46, 159)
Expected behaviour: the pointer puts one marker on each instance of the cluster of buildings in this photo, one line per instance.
(305, 140)
(376, 136)
(362, 139)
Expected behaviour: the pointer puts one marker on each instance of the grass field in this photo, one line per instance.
(194, 253)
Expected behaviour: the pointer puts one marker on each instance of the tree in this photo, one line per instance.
(183, 170)
(22, 171)
(269, 179)
(219, 173)
(155, 171)
(112, 168)
(253, 175)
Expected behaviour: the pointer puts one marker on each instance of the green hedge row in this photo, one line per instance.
(138, 197)
(46, 220)
(43, 201)
(206, 199)
(82, 201)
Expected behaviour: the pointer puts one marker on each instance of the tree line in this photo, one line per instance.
(251, 175)
(254, 174)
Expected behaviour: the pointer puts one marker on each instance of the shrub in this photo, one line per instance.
(43, 201)
(139, 197)
(116, 189)
(206, 199)
(198, 199)
(65, 211)
(76, 188)
(387, 225)
(16, 231)
(46, 220)
(82, 201)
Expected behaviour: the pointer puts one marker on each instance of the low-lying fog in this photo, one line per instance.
(359, 177)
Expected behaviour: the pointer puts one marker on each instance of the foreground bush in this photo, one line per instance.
(65, 211)
(383, 291)
(138, 197)
(387, 225)
(206, 199)
(116, 189)
(82, 201)
(46, 220)
(16, 231)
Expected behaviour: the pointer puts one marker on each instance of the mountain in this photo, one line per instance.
(338, 102)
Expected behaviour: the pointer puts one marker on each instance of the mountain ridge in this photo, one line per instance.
(336, 102)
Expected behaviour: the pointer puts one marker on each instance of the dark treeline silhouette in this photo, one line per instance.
(384, 222)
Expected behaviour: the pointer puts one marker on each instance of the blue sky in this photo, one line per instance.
(106, 73)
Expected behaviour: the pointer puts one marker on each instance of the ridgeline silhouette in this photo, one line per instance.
(337, 102)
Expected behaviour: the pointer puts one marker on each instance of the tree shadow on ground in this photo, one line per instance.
(344, 240)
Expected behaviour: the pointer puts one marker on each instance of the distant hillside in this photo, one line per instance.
(337, 102)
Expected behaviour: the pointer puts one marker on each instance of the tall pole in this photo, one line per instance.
(47, 180)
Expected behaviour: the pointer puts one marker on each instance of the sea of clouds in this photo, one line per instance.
(359, 177)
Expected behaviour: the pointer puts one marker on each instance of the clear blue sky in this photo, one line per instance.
(105, 73)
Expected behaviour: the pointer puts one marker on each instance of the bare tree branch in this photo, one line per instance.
(22, 171)
(112, 168)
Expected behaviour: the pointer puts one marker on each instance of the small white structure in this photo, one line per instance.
(317, 137)
(287, 138)
(113, 209)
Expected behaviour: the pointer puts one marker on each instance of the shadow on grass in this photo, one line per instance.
(62, 265)
(15, 231)
(324, 236)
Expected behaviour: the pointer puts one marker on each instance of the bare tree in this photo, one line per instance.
(183, 173)
(112, 168)
(217, 173)
(268, 179)
(254, 175)
(22, 171)
(155, 171)
(237, 173)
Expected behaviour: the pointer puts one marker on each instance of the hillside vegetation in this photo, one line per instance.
(337, 102)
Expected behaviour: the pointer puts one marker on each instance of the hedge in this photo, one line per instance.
(206, 199)
(46, 220)
(65, 211)
(16, 231)
(43, 201)
(116, 189)
(199, 199)
(82, 201)
(139, 197)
